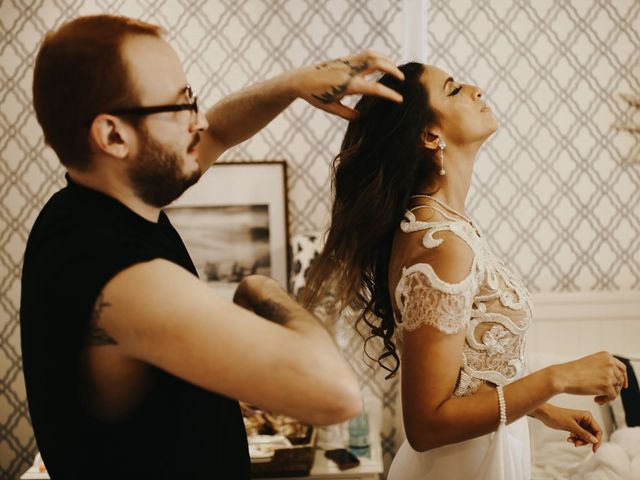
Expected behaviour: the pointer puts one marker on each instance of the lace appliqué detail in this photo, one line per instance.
(425, 300)
(491, 303)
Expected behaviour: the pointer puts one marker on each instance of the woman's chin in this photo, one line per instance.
(493, 128)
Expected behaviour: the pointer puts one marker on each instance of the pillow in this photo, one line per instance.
(305, 247)
(626, 408)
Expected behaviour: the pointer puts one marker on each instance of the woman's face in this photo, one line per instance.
(463, 117)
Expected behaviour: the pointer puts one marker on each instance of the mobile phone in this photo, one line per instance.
(343, 458)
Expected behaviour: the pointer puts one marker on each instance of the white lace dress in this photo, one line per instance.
(492, 305)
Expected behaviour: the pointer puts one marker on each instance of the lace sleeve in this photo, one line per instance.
(424, 299)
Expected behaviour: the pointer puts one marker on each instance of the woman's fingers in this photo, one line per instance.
(596, 446)
(611, 393)
(584, 435)
(590, 424)
(622, 368)
(585, 430)
(577, 442)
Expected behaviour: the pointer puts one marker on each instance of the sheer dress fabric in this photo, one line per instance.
(493, 307)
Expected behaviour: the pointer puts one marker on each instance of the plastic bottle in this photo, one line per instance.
(359, 435)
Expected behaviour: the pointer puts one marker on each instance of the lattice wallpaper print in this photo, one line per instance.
(555, 188)
(224, 45)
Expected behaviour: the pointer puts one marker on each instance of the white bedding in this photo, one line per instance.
(617, 459)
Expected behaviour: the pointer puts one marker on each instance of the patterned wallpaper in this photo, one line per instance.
(556, 188)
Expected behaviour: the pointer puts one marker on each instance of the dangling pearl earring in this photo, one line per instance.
(442, 146)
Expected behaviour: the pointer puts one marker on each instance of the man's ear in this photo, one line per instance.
(110, 135)
(430, 140)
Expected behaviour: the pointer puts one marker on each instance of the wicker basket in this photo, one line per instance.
(289, 462)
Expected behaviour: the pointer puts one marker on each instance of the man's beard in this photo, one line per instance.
(156, 175)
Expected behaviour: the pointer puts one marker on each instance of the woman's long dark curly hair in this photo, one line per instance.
(381, 163)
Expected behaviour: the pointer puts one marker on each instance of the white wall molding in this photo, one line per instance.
(586, 305)
(580, 323)
(414, 40)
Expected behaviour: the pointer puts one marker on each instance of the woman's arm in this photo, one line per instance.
(430, 367)
(432, 417)
(431, 362)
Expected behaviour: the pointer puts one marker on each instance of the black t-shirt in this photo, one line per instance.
(80, 240)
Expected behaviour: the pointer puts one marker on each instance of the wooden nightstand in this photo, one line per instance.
(370, 468)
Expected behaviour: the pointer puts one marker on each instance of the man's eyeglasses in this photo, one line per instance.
(191, 105)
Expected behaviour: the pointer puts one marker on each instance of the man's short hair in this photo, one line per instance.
(80, 73)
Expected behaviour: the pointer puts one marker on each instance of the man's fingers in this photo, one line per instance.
(365, 87)
(383, 65)
(378, 61)
(341, 110)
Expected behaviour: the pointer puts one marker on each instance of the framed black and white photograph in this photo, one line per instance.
(234, 223)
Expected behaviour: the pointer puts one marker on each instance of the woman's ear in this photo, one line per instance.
(110, 135)
(430, 140)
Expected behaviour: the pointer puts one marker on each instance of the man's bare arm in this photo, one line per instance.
(241, 115)
(162, 315)
(97, 335)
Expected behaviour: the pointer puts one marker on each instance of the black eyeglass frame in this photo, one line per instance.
(193, 106)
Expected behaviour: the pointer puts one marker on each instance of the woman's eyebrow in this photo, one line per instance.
(450, 79)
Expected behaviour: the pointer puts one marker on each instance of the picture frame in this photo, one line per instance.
(234, 222)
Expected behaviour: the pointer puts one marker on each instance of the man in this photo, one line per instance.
(132, 363)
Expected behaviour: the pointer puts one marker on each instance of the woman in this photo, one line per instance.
(402, 250)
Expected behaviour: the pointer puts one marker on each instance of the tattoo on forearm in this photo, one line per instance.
(272, 311)
(336, 92)
(98, 336)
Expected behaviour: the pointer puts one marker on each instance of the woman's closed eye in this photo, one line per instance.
(455, 90)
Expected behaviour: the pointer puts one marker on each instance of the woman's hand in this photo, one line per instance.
(599, 374)
(580, 424)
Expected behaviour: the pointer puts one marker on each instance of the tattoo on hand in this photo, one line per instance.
(336, 91)
(272, 311)
(98, 336)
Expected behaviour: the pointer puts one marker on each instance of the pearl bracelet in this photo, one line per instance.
(503, 405)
